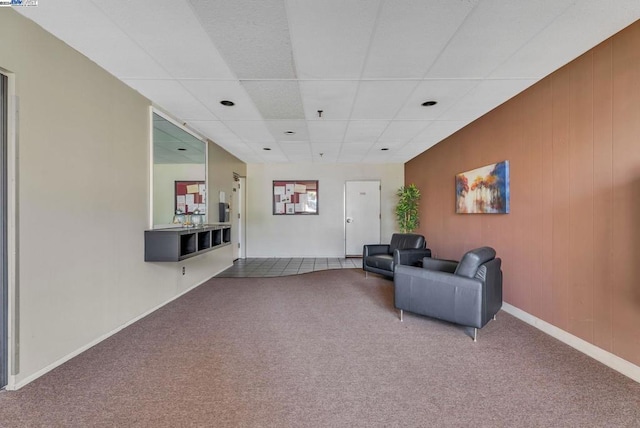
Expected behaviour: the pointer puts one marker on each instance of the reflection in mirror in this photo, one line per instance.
(179, 172)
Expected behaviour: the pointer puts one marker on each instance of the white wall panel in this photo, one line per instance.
(319, 235)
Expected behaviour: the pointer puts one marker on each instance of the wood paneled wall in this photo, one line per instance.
(571, 244)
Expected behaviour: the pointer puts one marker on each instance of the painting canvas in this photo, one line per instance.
(483, 190)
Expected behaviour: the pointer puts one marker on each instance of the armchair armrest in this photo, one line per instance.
(434, 278)
(440, 265)
(440, 295)
(410, 256)
(373, 249)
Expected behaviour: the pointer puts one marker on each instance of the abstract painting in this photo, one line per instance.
(483, 190)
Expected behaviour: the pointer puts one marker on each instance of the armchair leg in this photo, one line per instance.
(475, 334)
(401, 313)
(494, 318)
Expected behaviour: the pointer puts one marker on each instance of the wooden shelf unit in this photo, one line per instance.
(179, 243)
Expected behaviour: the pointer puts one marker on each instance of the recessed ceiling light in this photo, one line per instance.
(429, 103)
(289, 132)
(182, 149)
(384, 149)
(227, 103)
(266, 148)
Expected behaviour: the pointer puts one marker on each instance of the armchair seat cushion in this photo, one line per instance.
(380, 261)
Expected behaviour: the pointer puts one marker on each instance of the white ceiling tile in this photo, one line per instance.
(330, 131)
(436, 132)
(253, 36)
(402, 131)
(211, 92)
(300, 158)
(377, 156)
(298, 148)
(251, 131)
(445, 91)
(365, 131)
(381, 99)
(488, 95)
(493, 32)
(279, 127)
(172, 97)
(355, 148)
(334, 97)
(273, 152)
(410, 151)
(327, 152)
(582, 26)
(421, 28)
(219, 133)
(350, 158)
(276, 99)
(84, 27)
(330, 38)
(271, 157)
(146, 22)
(325, 158)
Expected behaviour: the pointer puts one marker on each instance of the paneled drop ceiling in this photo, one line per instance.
(367, 64)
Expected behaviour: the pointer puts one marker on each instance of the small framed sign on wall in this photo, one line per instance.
(295, 197)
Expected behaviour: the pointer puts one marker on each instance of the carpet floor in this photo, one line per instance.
(324, 349)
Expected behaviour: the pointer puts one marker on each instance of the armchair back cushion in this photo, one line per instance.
(472, 260)
(401, 241)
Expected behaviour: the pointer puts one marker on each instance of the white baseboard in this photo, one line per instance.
(605, 357)
(13, 386)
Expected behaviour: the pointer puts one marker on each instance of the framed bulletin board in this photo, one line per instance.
(295, 197)
(189, 196)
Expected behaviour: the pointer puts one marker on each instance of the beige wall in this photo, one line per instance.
(571, 244)
(82, 204)
(220, 171)
(319, 235)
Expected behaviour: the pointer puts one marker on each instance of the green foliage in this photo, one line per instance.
(407, 208)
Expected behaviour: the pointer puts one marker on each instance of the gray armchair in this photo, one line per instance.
(404, 248)
(468, 293)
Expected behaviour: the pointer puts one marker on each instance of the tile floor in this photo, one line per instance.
(259, 267)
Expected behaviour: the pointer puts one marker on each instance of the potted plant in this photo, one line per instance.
(407, 208)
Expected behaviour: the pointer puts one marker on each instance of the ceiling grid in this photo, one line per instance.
(368, 65)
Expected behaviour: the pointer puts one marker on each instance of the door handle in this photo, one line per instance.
(349, 220)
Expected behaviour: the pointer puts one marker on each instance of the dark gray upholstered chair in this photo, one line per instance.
(468, 293)
(404, 248)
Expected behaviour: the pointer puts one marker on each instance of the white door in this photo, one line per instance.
(242, 242)
(234, 219)
(362, 215)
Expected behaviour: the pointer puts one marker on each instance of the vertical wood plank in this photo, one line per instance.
(626, 193)
(603, 196)
(561, 124)
(581, 249)
(547, 208)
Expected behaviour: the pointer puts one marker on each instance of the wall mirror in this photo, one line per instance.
(178, 157)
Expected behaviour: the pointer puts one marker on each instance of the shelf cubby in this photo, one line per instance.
(204, 240)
